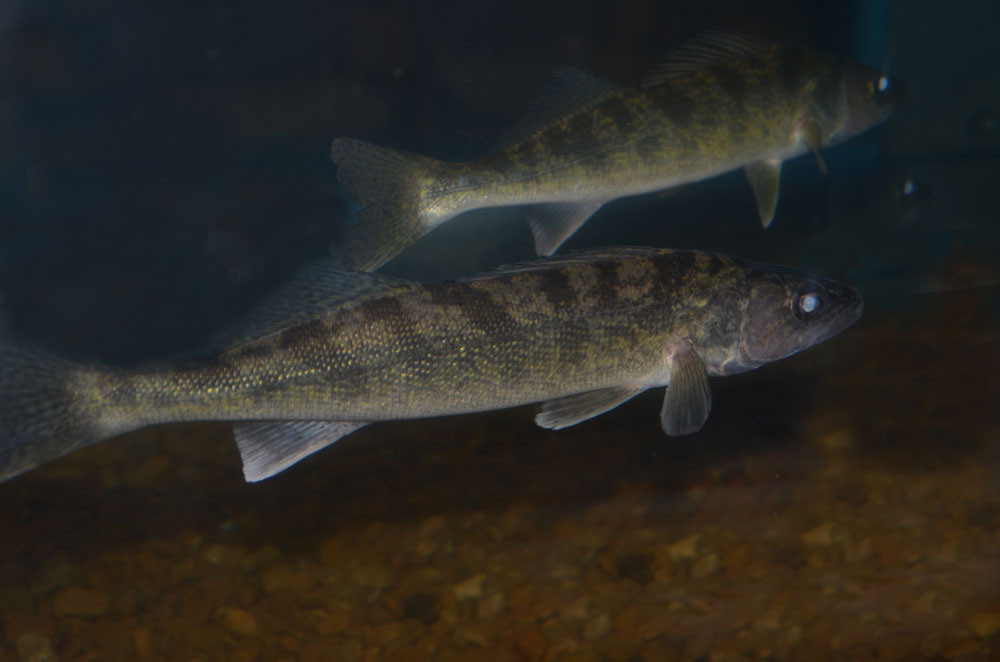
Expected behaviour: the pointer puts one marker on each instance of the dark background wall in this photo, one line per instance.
(162, 164)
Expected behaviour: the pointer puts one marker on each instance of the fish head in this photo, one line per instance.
(871, 95)
(787, 312)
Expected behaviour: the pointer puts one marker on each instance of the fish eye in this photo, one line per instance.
(807, 305)
(884, 90)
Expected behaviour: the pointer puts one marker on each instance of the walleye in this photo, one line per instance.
(719, 103)
(339, 349)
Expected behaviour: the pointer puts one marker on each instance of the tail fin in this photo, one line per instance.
(40, 419)
(384, 184)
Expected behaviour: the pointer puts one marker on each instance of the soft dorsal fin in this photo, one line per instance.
(313, 291)
(703, 51)
(571, 258)
(568, 90)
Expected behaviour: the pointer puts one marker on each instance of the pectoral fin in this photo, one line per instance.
(572, 409)
(689, 398)
(553, 223)
(812, 135)
(765, 177)
(268, 448)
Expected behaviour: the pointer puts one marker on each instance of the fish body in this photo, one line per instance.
(719, 103)
(338, 350)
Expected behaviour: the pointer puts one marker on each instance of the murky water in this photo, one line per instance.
(164, 167)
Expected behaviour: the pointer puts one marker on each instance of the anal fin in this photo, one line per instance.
(765, 178)
(554, 222)
(269, 447)
(689, 397)
(572, 409)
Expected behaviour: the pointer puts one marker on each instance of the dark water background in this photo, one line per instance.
(164, 164)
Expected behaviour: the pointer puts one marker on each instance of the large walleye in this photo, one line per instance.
(339, 349)
(719, 103)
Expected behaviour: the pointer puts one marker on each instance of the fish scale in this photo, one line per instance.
(720, 103)
(580, 334)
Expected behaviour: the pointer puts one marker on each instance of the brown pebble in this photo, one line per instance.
(238, 621)
(245, 654)
(328, 650)
(333, 622)
(659, 649)
(820, 536)
(283, 576)
(562, 639)
(422, 607)
(405, 654)
(491, 607)
(637, 567)
(17, 623)
(903, 646)
(396, 634)
(57, 572)
(685, 548)
(260, 558)
(577, 610)
(214, 554)
(372, 575)
(597, 627)
(143, 642)
(627, 622)
(531, 643)
(33, 647)
(984, 624)
(837, 440)
(957, 646)
(705, 567)
(470, 588)
(522, 602)
(434, 536)
(475, 634)
(76, 601)
(983, 515)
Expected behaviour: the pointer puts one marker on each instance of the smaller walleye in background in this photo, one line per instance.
(718, 103)
(337, 350)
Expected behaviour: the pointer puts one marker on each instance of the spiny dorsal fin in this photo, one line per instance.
(313, 291)
(703, 51)
(573, 257)
(567, 91)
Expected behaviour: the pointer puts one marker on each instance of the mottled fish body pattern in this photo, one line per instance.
(581, 333)
(718, 104)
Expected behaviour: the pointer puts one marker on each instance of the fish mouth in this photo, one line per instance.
(849, 308)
